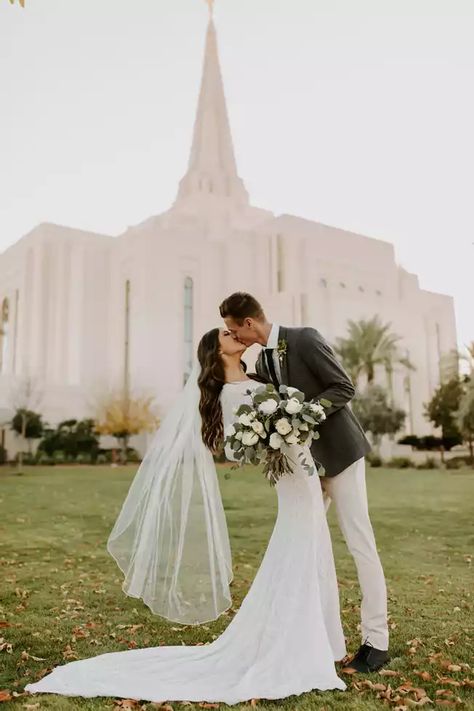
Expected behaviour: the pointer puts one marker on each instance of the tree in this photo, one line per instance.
(28, 424)
(369, 344)
(25, 399)
(442, 408)
(464, 417)
(122, 417)
(22, 2)
(376, 415)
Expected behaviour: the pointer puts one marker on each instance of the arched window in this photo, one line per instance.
(188, 327)
(4, 317)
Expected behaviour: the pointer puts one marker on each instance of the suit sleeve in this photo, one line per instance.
(322, 362)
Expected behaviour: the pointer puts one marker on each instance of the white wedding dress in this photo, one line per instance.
(283, 640)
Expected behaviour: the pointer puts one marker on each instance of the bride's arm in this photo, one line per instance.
(229, 406)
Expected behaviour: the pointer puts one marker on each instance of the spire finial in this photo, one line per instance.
(210, 4)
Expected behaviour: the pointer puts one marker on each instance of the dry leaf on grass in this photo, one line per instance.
(5, 695)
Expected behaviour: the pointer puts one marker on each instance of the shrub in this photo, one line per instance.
(429, 463)
(101, 459)
(84, 458)
(44, 459)
(400, 463)
(453, 463)
(458, 462)
(28, 458)
(374, 460)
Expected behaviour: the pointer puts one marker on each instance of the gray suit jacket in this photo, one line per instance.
(311, 366)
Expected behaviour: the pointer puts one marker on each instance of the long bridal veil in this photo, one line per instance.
(170, 539)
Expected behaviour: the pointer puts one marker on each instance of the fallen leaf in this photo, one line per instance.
(5, 695)
(448, 680)
(454, 668)
(426, 676)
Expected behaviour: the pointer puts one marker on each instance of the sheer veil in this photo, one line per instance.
(170, 539)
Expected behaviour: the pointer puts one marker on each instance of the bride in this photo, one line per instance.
(171, 542)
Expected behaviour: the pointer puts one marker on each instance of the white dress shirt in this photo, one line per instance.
(273, 343)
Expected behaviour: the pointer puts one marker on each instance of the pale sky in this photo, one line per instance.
(354, 113)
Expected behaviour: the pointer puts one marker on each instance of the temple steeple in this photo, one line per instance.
(212, 170)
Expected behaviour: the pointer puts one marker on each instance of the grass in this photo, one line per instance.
(60, 595)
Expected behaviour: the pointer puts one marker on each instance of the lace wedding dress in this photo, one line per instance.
(283, 640)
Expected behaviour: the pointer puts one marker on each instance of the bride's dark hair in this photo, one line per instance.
(211, 380)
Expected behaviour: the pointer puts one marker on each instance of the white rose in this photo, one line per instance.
(268, 407)
(276, 441)
(283, 426)
(245, 420)
(318, 410)
(230, 431)
(249, 439)
(293, 406)
(257, 427)
(292, 391)
(304, 427)
(292, 438)
(239, 435)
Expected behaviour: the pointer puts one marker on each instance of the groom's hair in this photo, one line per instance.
(240, 306)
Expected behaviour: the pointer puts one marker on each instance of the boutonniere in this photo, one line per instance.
(282, 349)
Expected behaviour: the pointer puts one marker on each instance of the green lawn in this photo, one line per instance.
(60, 595)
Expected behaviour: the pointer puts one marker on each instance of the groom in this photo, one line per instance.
(300, 357)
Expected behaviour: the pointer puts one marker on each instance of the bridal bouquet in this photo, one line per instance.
(263, 430)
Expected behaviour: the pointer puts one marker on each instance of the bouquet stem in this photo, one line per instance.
(275, 466)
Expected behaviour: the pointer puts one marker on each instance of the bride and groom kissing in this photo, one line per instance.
(171, 539)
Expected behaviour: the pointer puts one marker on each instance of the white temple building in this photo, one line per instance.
(82, 311)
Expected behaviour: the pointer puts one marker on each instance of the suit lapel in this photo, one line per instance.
(261, 365)
(283, 359)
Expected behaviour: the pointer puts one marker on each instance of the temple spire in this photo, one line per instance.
(212, 169)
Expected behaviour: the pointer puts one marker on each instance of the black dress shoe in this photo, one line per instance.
(368, 659)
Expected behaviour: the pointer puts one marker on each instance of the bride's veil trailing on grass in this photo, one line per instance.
(171, 539)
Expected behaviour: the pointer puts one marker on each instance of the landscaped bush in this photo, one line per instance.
(429, 463)
(458, 462)
(400, 463)
(84, 458)
(109, 456)
(44, 459)
(374, 460)
(71, 437)
(28, 458)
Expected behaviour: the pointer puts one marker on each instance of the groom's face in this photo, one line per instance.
(245, 332)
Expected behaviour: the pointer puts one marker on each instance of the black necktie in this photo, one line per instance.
(271, 367)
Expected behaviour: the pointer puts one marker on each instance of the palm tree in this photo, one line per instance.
(370, 343)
